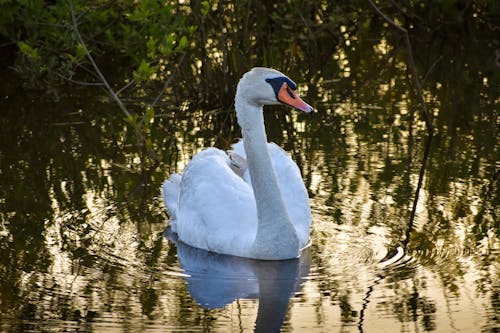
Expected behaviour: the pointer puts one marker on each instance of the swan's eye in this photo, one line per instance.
(280, 82)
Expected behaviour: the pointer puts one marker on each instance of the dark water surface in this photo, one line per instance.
(84, 243)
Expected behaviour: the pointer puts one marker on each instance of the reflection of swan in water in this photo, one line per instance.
(215, 280)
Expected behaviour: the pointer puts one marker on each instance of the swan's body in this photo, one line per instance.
(260, 211)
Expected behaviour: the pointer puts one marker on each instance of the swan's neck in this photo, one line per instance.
(276, 236)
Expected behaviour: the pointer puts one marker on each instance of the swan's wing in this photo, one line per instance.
(291, 185)
(216, 207)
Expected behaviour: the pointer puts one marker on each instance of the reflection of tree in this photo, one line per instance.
(411, 307)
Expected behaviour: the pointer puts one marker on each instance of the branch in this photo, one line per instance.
(122, 89)
(431, 69)
(141, 141)
(87, 53)
(417, 191)
(425, 114)
(80, 82)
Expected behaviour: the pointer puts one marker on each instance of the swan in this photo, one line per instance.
(250, 202)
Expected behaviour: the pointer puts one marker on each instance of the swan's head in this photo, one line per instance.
(265, 86)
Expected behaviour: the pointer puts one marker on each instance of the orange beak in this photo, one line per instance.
(289, 97)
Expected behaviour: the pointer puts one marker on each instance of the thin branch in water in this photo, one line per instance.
(425, 114)
(417, 191)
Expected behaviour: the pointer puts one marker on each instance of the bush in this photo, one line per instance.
(143, 37)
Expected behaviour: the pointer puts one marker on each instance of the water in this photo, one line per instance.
(83, 248)
(85, 244)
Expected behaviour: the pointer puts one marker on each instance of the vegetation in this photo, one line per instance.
(145, 43)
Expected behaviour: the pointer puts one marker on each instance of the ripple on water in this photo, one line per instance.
(353, 279)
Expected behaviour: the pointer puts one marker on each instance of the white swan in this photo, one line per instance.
(261, 210)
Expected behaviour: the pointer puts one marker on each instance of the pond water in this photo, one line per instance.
(85, 244)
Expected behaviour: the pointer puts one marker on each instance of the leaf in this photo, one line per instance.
(205, 8)
(182, 43)
(151, 47)
(73, 58)
(145, 71)
(28, 50)
(80, 51)
(168, 44)
(192, 29)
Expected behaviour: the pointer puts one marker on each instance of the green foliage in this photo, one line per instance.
(137, 36)
(147, 40)
(145, 71)
(28, 51)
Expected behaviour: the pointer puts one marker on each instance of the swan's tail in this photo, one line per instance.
(170, 190)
